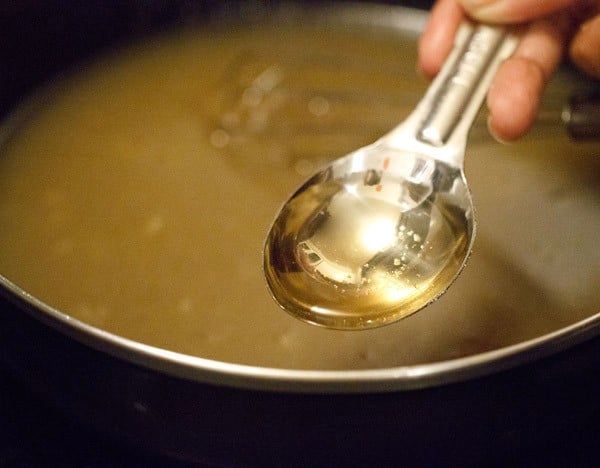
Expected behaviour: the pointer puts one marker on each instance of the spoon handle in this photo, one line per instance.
(440, 124)
(463, 82)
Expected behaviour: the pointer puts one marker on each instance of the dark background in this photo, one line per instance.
(37, 39)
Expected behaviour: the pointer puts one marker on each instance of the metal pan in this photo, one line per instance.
(494, 402)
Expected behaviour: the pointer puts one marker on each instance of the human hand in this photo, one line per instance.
(548, 29)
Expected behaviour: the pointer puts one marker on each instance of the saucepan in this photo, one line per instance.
(505, 363)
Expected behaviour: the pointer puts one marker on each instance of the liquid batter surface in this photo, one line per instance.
(135, 195)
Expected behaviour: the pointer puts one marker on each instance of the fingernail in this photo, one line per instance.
(485, 10)
(478, 3)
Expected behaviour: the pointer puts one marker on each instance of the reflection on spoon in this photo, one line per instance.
(383, 231)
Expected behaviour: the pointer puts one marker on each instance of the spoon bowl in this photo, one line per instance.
(357, 247)
(382, 232)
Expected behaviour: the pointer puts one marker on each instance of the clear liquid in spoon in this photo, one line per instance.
(358, 247)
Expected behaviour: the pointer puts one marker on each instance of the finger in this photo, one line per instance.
(438, 36)
(512, 11)
(514, 97)
(585, 47)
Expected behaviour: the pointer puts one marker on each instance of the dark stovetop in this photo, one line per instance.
(32, 434)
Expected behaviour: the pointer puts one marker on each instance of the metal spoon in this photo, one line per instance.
(382, 232)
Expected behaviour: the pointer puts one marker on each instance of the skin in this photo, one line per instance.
(549, 30)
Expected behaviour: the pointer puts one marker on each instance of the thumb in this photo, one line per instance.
(512, 11)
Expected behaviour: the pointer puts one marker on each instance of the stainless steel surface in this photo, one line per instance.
(454, 96)
(581, 116)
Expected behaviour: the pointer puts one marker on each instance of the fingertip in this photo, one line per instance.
(512, 11)
(429, 63)
(438, 36)
(498, 132)
(585, 47)
(513, 99)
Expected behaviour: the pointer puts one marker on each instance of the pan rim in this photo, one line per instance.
(383, 380)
